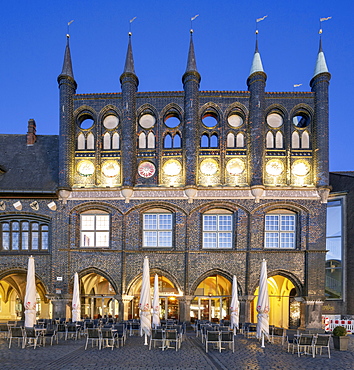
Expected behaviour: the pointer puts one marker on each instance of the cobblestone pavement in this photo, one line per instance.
(248, 354)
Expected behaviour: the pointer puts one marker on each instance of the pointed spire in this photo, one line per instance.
(191, 62)
(129, 60)
(67, 65)
(257, 61)
(321, 65)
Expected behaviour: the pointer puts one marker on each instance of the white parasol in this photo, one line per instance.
(30, 297)
(234, 307)
(263, 305)
(145, 302)
(76, 306)
(156, 304)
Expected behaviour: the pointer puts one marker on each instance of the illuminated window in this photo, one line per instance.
(280, 230)
(217, 231)
(157, 230)
(24, 235)
(94, 229)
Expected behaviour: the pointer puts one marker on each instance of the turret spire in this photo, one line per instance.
(191, 62)
(321, 65)
(257, 65)
(67, 69)
(129, 60)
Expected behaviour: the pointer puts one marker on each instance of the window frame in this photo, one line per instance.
(158, 230)
(218, 231)
(95, 231)
(280, 233)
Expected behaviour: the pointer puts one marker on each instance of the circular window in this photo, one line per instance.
(209, 167)
(147, 121)
(301, 120)
(172, 167)
(274, 120)
(146, 169)
(172, 121)
(300, 168)
(235, 167)
(86, 121)
(274, 167)
(85, 168)
(110, 168)
(235, 120)
(209, 120)
(110, 122)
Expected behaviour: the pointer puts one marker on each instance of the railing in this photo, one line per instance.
(331, 324)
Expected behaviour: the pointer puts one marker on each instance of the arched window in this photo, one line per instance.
(142, 141)
(270, 140)
(204, 141)
(279, 140)
(280, 227)
(81, 142)
(295, 140)
(167, 142)
(240, 140)
(214, 143)
(24, 234)
(177, 141)
(151, 140)
(94, 229)
(305, 140)
(115, 141)
(90, 141)
(230, 140)
(107, 141)
(157, 228)
(217, 229)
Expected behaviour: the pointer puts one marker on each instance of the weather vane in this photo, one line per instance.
(322, 20)
(68, 33)
(130, 25)
(259, 20)
(192, 19)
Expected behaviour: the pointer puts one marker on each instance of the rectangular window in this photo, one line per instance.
(94, 231)
(157, 230)
(280, 231)
(217, 231)
(334, 245)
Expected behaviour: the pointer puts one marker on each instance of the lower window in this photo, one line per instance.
(280, 231)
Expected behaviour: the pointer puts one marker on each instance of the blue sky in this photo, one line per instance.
(33, 41)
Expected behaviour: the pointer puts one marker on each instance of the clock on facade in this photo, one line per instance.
(146, 169)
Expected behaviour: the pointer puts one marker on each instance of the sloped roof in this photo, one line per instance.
(28, 168)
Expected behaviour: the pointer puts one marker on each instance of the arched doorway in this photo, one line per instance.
(212, 299)
(12, 294)
(97, 297)
(284, 309)
(168, 293)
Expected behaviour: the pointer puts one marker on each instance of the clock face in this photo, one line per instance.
(209, 167)
(274, 167)
(172, 167)
(235, 167)
(146, 169)
(300, 168)
(85, 168)
(110, 168)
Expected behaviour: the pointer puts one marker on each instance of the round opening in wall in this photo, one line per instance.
(274, 120)
(110, 122)
(301, 120)
(235, 120)
(147, 121)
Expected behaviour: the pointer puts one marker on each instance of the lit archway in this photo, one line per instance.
(284, 309)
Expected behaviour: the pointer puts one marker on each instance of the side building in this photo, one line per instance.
(207, 184)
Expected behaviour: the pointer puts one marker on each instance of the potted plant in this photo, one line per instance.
(340, 338)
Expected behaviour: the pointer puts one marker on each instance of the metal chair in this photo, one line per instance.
(171, 336)
(72, 331)
(93, 335)
(157, 335)
(16, 333)
(121, 333)
(50, 333)
(108, 338)
(212, 337)
(61, 331)
(30, 337)
(4, 331)
(321, 341)
(278, 334)
(305, 342)
(227, 337)
(291, 340)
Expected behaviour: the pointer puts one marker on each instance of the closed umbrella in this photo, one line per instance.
(156, 304)
(30, 297)
(145, 302)
(76, 306)
(263, 305)
(234, 305)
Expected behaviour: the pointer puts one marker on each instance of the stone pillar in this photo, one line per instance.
(185, 307)
(124, 302)
(245, 308)
(61, 306)
(311, 314)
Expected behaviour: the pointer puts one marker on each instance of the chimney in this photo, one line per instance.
(31, 132)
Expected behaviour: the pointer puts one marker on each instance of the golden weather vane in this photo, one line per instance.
(192, 19)
(130, 25)
(68, 33)
(259, 20)
(322, 20)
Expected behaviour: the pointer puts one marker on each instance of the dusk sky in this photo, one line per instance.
(33, 42)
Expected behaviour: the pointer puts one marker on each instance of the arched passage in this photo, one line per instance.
(284, 309)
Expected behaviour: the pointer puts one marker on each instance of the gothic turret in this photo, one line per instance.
(319, 85)
(129, 83)
(67, 88)
(191, 80)
(256, 83)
